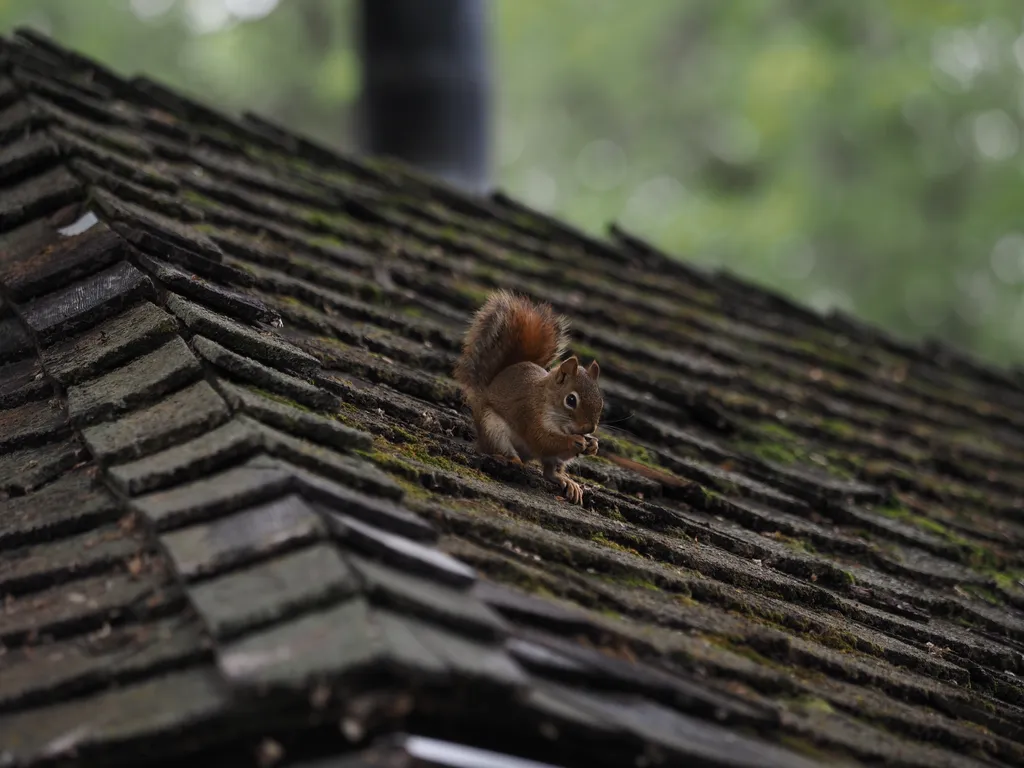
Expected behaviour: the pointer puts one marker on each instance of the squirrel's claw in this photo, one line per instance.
(591, 445)
(573, 491)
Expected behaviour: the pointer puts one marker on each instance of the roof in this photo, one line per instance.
(243, 517)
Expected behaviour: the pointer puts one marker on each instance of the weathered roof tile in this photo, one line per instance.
(213, 496)
(273, 590)
(98, 297)
(217, 326)
(400, 552)
(40, 566)
(37, 196)
(116, 717)
(297, 421)
(332, 642)
(191, 459)
(141, 381)
(32, 678)
(257, 532)
(21, 382)
(24, 470)
(61, 259)
(185, 414)
(32, 424)
(109, 344)
(441, 604)
(262, 376)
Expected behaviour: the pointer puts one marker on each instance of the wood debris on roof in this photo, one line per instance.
(241, 515)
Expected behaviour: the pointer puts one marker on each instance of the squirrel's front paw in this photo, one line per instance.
(577, 444)
(573, 491)
(591, 445)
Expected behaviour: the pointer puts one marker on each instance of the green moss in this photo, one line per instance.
(604, 541)
(809, 704)
(420, 450)
(982, 593)
(838, 428)
(584, 351)
(474, 292)
(798, 545)
(628, 450)
(280, 399)
(640, 583)
(1008, 582)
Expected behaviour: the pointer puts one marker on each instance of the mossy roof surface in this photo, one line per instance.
(241, 506)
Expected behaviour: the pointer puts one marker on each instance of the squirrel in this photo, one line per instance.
(521, 409)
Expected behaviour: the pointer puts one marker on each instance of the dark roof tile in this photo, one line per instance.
(95, 298)
(441, 604)
(265, 347)
(83, 605)
(15, 120)
(139, 382)
(32, 677)
(25, 154)
(300, 421)
(398, 551)
(40, 566)
(183, 235)
(382, 512)
(685, 737)
(242, 537)
(34, 423)
(117, 717)
(213, 496)
(22, 382)
(183, 415)
(24, 470)
(109, 344)
(358, 473)
(299, 654)
(38, 195)
(15, 342)
(191, 459)
(262, 376)
(218, 327)
(466, 659)
(274, 590)
(190, 260)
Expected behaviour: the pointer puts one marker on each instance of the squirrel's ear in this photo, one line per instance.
(568, 368)
(594, 370)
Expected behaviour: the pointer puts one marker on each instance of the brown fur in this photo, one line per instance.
(520, 408)
(509, 329)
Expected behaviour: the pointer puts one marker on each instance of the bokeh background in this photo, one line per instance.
(863, 155)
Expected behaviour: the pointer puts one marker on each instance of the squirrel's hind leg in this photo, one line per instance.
(494, 437)
(554, 470)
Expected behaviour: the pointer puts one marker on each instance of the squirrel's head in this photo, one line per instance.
(574, 400)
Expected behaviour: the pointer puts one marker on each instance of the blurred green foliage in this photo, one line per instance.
(862, 155)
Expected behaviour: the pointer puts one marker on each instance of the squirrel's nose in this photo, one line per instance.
(589, 428)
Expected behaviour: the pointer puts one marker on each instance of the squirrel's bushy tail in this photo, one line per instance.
(509, 329)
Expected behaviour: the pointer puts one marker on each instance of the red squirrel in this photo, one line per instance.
(522, 410)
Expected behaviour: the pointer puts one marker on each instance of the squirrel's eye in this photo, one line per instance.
(571, 401)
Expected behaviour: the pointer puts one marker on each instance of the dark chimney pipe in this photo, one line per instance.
(426, 86)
